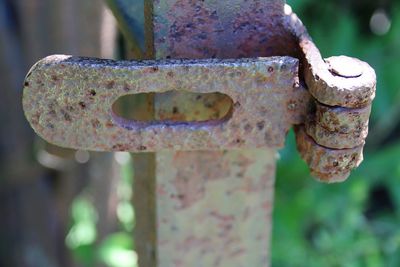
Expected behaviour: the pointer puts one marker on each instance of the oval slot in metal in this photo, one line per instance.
(173, 107)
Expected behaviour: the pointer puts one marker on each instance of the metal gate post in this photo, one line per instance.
(213, 208)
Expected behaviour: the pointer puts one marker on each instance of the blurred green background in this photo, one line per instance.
(356, 223)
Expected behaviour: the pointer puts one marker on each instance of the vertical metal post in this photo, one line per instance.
(211, 208)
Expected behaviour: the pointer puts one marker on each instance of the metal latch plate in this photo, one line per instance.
(68, 102)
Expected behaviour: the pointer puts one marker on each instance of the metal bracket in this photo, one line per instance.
(68, 102)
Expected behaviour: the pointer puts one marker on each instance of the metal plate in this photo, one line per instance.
(68, 102)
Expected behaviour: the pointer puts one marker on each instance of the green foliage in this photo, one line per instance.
(83, 233)
(116, 249)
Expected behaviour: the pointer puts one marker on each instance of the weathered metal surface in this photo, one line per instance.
(335, 90)
(328, 81)
(343, 89)
(342, 120)
(206, 29)
(221, 29)
(335, 140)
(211, 224)
(214, 208)
(182, 27)
(68, 102)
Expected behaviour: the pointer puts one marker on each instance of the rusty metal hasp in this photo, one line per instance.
(68, 101)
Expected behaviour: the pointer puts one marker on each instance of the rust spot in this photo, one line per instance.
(66, 115)
(120, 147)
(239, 141)
(142, 148)
(126, 87)
(96, 123)
(35, 118)
(248, 128)
(82, 105)
(92, 92)
(110, 84)
(109, 124)
(260, 125)
(52, 112)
